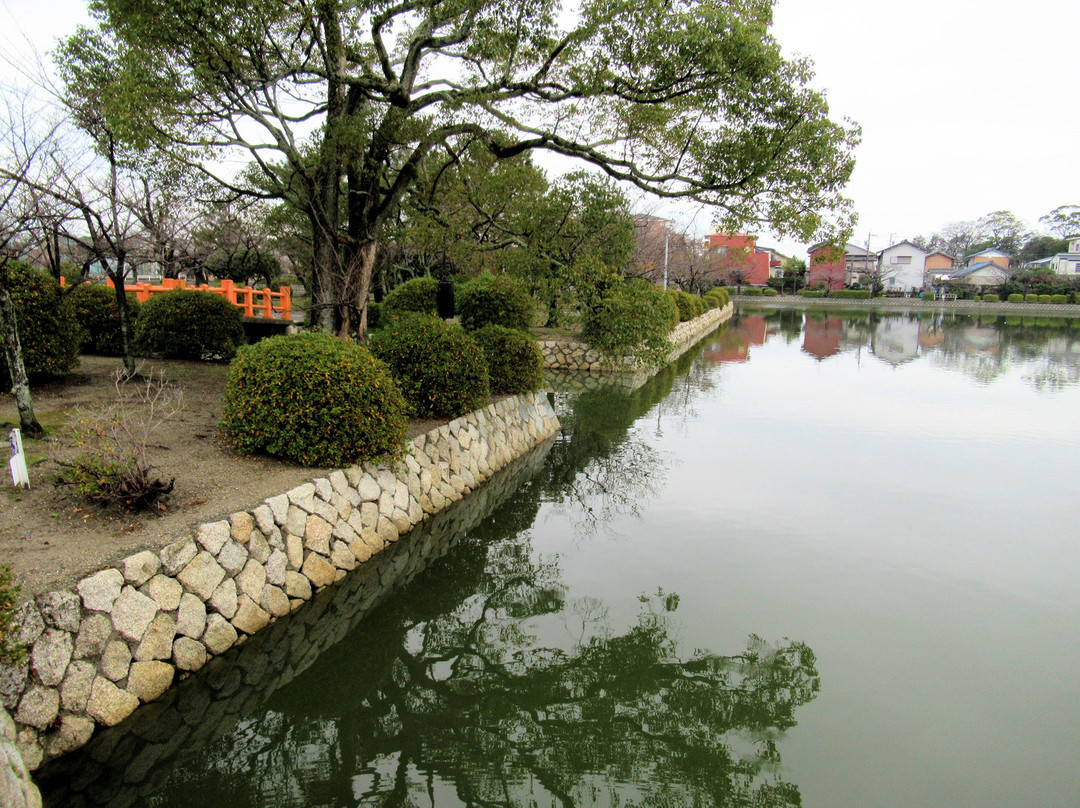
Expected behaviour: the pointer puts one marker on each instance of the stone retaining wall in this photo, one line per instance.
(125, 634)
(568, 354)
(912, 304)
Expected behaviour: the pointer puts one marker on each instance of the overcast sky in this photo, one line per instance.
(966, 107)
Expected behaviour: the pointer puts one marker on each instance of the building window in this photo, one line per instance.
(900, 259)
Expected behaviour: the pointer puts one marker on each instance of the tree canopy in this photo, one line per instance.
(339, 103)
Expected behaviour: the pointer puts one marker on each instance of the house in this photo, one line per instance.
(997, 256)
(838, 270)
(858, 262)
(903, 266)
(736, 258)
(776, 261)
(1066, 263)
(938, 262)
(983, 274)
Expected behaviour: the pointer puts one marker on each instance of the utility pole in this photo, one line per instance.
(667, 236)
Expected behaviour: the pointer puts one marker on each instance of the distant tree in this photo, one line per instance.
(1003, 231)
(1064, 220)
(1041, 247)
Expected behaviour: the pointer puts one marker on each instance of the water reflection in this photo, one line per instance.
(481, 682)
(1045, 350)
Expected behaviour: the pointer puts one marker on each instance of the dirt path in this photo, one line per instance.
(51, 538)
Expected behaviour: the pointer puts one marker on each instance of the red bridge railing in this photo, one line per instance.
(254, 302)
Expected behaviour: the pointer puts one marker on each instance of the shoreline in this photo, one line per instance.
(912, 304)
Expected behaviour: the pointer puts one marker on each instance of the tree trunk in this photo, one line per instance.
(20, 382)
(127, 336)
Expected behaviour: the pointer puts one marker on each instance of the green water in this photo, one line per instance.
(824, 561)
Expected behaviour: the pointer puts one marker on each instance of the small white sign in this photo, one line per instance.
(17, 464)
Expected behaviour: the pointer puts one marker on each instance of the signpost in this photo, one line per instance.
(17, 464)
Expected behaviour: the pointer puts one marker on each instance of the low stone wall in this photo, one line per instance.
(17, 790)
(912, 304)
(125, 634)
(568, 354)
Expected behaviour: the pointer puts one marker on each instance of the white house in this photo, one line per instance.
(986, 273)
(903, 266)
(1066, 263)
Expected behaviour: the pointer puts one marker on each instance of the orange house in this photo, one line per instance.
(827, 263)
(734, 255)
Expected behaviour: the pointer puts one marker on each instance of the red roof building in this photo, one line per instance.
(737, 260)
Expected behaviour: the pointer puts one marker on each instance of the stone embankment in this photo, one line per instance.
(570, 354)
(912, 304)
(125, 634)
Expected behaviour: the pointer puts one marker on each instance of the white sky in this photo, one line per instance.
(966, 107)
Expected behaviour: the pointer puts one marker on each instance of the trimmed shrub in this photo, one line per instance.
(1045, 298)
(94, 306)
(632, 320)
(438, 366)
(515, 364)
(313, 399)
(189, 324)
(711, 301)
(374, 315)
(977, 298)
(1016, 298)
(1032, 298)
(852, 294)
(689, 306)
(927, 295)
(416, 295)
(48, 330)
(769, 292)
(494, 300)
(721, 294)
(990, 298)
(752, 291)
(1059, 299)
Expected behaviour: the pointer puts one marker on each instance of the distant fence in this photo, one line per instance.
(254, 303)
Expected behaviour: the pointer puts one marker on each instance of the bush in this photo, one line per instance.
(313, 399)
(769, 292)
(94, 306)
(752, 291)
(711, 301)
(515, 364)
(853, 294)
(374, 315)
(927, 295)
(416, 295)
(812, 293)
(1016, 298)
(189, 324)
(1059, 299)
(48, 330)
(494, 300)
(977, 298)
(439, 367)
(1031, 298)
(689, 306)
(1045, 298)
(632, 320)
(721, 294)
(990, 298)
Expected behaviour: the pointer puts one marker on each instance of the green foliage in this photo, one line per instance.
(416, 296)
(94, 306)
(689, 306)
(374, 315)
(12, 651)
(1045, 298)
(1016, 298)
(990, 298)
(491, 299)
(48, 329)
(312, 399)
(190, 324)
(243, 266)
(720, 294)
(769, 292)
(515, 364)
(710, 302)
(632, 320)
(752, 291)
(439, 367)
(1059, 299)
(1031, 298)
(853, 294)
(812, 293)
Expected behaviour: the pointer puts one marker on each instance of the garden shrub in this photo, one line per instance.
(189, 324)
(49, 333)
(417, 295)
(632, 320)
(852, 294)
(990, 298)
(515, 364)
(438, 366)
(491, 299)
(721, 294)
(1045, 298)
(812, 293)
(711, 301)
(689, 306)
(977, 298)
(312, 399)
(752, 291)
(94, 306)
(374, 315)
(1058, 298)
(1016, 298)
(1031, 298)
(769, 292)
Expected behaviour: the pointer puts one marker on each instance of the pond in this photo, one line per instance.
(822, 560)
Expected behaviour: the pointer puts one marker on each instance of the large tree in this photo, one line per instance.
(339, 103)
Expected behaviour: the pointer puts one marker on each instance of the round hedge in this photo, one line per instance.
(515, 364)
(189, 324)
(720, 294)
(417, 295)
(632, 320)
(48, 330)
(95, 309)
(492, 299)
(690, 306)
(313, 399)
(439, 368)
